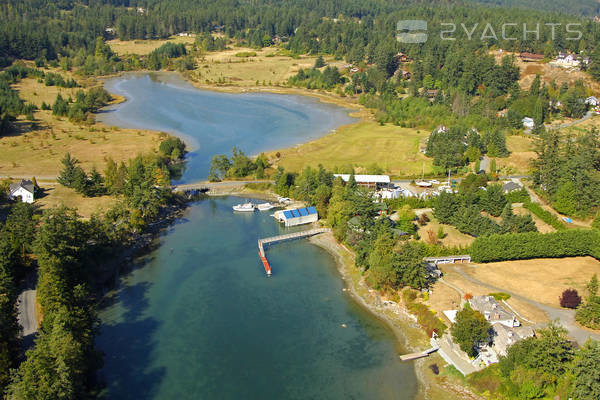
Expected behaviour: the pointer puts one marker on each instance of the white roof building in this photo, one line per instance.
(592, 101)
(365, 180)
(528, 122)
(24, 190)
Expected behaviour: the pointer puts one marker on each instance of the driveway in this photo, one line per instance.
(26, 312)
(565, 317)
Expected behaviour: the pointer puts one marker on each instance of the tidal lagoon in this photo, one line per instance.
(212, 122)
(197, 318)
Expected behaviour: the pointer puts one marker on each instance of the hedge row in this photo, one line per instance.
(545, 215)
(521, 246)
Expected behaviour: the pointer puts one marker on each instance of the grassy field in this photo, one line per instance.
(452, 238)
(541, 280)
(269, 67)
(394, 149)
(37, 152)
(143, 47)
(521, 150)
(55, 195)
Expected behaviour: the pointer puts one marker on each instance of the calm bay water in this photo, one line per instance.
(198, 319)
(215, 122)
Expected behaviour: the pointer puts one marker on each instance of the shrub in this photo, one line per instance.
(570, 299)
(500, 296)
(521, 246)
(545, 215)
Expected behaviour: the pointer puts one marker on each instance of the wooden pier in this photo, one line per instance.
(281, 238)
(420, 354)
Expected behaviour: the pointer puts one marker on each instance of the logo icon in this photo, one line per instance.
(406, 31)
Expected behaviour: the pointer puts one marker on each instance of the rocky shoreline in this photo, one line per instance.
(404, 325)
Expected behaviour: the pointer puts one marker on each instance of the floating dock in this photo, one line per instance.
(420, 354)
(281, 238)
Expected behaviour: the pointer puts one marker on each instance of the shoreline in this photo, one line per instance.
(354, 110)
(400, 320)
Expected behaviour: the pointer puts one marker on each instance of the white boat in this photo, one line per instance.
(246, 207)
(434, 182)
(265, 206)
(423, 182)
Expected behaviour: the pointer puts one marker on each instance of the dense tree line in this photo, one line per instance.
(16, 239)
(522, 246)
(567, 171)
(84, 104)
(144, 182)
(588, 313)
(238, 166)
(545, 366)
(464, 210)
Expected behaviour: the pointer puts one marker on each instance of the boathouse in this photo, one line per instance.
(371, 181)
(297, 216)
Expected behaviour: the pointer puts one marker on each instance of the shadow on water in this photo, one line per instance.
(130, 346)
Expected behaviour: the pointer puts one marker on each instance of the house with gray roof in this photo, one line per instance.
(503, 337)
(24, 191)
(493, 311)
(510, 187)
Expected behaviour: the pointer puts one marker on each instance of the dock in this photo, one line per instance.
(420, 354)
(262, 243)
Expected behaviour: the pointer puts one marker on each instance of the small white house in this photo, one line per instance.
(24, 190)
(528, 122)
(592, 101)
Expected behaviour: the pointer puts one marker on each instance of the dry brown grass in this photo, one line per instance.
(533, 314)
(542, 280)
(143, 47)
(452, 238)
(541, 225)
(268, 67)
(548, 73)
(56, 195)
(521, 153)
(37, 152)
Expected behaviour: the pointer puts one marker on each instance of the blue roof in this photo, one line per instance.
(296, 213)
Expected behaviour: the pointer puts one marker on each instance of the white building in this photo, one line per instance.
(297, 216)
(366, 180)
(592, 101)
(24, 190)
(566, 61)
(528, 122)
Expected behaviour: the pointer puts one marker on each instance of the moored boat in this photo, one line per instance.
(246, 207)
(265, 206)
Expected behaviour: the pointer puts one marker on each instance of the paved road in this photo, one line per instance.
(26, 312)
(566, 317)
(484, 164)
(587, 116)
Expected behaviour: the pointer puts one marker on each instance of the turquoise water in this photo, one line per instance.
(214, 122)
(198, 319)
